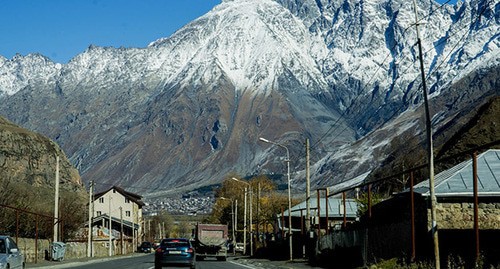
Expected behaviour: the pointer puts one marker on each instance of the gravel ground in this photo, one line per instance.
(269, 264)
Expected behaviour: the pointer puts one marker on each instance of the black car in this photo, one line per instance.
(175, 251)
(146, 247)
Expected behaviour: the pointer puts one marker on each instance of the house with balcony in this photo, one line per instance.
(123, 208)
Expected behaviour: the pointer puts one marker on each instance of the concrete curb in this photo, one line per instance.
(78, 262)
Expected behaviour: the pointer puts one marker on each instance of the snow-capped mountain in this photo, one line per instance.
(189, 109)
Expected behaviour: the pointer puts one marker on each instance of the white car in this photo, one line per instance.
(10, 256)
(239, 247)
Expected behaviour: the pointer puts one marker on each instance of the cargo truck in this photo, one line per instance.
(210, 241)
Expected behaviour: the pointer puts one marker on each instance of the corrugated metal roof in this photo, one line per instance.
(457, 181)
(348, 184)
(335, 208)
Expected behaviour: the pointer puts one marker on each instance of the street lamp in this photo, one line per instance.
(289, 191)
(245, 216)
(233, 219)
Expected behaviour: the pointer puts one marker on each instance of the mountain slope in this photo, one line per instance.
(189, 109)
(30, 158)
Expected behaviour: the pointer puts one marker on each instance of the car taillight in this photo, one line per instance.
(159, 250)
(190, 250)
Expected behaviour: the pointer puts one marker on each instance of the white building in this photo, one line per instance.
(125, 209)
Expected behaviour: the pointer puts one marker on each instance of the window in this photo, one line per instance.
(98, 213)
(12, 244)
(127, 201)
(101, 200)
(127, 213)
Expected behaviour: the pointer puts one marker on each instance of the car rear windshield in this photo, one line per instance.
(175, 243)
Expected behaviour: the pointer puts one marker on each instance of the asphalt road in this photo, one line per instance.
(145, 261)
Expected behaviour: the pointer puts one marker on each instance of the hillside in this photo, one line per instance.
(27, 178)
(28, 157)
(189, 109)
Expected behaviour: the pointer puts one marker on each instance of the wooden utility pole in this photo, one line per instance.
(434, 229)
(308, 189)
(56, 203)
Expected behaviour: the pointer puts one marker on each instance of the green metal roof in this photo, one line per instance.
(335, 208)
(457, 181)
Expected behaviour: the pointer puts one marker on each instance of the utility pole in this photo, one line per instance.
(121, 229)
(149, 230)
(235, 218)
(308, 192)
(134, 242)
(251, 221)
(245, 225)
(109, 231)
(56, 203)
(91, 214)
(434, 228)
(308, 188)
(232, 224)
(258, 211)
(159, 230)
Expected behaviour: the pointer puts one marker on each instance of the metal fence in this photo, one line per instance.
(25, 223)
(405, 224)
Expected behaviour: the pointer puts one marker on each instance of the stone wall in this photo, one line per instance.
(460, 215)
(74, 250)
(27, 247)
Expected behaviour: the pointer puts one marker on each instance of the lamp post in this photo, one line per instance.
(245, 225)
(233, 222)
(289, 191)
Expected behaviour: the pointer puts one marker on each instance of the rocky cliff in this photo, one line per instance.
(28, 157)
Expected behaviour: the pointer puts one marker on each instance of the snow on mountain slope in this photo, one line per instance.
(372, 46)
(252, 42)
(190, 107)
(22, 71)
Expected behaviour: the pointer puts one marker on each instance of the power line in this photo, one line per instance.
(399, 74)
(368, 83)
(436, 69)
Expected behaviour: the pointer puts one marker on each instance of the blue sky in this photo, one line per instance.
(61, 29)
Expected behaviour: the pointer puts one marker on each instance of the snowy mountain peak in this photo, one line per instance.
(22, 71)
(251, 42)
(284, 69)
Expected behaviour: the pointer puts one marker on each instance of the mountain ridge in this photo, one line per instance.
(189, 109)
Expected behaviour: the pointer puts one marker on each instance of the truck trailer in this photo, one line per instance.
(210, 241)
